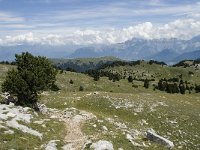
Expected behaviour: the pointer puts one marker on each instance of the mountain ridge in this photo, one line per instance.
(142, 49)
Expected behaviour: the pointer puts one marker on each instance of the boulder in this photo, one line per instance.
(152, 136)
(42, 108)
(102, 145)
(9, 99)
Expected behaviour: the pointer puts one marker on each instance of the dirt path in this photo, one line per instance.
(75, 138)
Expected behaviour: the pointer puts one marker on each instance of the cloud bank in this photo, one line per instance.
(181, 29)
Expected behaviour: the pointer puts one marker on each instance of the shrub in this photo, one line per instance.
(146, 84)
(32, 76)
(130, 79)
(81, 88)
(197, 88)
(71, 81)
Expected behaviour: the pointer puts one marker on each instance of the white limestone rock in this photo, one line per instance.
(102, 145)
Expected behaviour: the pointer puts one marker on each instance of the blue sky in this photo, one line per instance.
(52, 20)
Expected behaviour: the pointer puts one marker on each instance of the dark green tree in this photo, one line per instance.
(197, 88)
(130, 79)
(32, 76)
(182, 87)
(162, 85)
(81, 88)
(172, 88)
(146, 83)
(96, 77)
(71, 81)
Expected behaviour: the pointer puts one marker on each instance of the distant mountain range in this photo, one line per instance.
(167, 50)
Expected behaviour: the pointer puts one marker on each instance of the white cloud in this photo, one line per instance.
(181, 28)
(10, 18)
(19, 39)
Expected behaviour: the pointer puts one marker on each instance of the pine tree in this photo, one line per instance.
(130, 79)
(32, 76)
(146, 83)
(182, 87)
(71, 81)
(81, 88)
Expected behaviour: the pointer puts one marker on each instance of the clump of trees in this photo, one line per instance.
(94, 73)
(174, 86)
(32, 76)
(157, 62)
(96, 77)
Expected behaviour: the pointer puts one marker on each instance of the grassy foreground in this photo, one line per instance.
(120, 108)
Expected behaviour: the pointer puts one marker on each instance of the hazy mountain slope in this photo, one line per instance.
(142, 49)
(188, 56)
(8, 52)
(166, 55)
(83, 64)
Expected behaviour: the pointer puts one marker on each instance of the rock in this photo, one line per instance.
(68, 147)
(143, 122)
(51, 145)
(102, 145)
(100, 121)
(66, 114)
(87, 144)
(5, 95)
(152, 136)
(131, 139)
(104, 128)
(9, 132)
(43, 109)
(120, 125)
(9, 100)
(2, 127)
(39, 122)
(180, 147)
(10, 115)
(53, 117)
(14, 124)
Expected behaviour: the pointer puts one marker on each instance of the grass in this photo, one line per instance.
(20, 140)
(156, 71)
(183, 109)
(187, 121)
(173, 116)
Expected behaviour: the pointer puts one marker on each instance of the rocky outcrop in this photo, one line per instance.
(152, 136)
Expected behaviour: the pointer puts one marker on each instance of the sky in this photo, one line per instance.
(85, 22)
